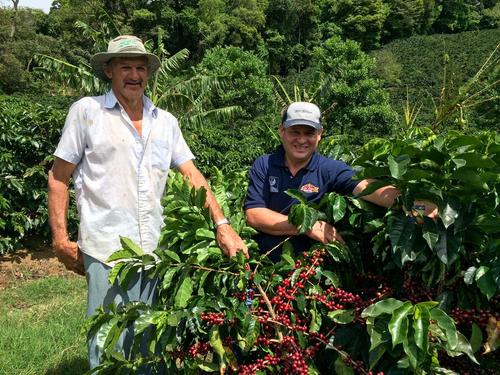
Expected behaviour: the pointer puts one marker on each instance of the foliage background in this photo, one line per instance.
(378, 69)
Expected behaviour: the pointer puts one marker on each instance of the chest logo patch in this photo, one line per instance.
(309, 188)
(273, 184)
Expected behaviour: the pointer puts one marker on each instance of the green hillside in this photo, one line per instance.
(417, 65)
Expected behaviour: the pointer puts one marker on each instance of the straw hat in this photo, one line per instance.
(123, 46)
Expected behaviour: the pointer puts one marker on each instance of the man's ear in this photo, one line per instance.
(107, 70)
(281, 130)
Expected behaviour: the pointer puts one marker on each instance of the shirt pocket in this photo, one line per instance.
(160, 154)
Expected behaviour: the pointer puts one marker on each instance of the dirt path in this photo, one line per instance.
(29, 264)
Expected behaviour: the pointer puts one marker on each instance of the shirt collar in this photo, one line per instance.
(110, 102)
(279, 160)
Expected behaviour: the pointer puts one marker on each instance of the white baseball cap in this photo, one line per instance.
(302, 113)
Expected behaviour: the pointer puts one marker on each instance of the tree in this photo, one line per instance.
(235, 23)
(404, 18)
(362, 21)
(457, 16)
(345, 74)
(237, 143)
(290, 42)
(16, 51)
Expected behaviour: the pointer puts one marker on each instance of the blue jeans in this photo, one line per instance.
(101, 293)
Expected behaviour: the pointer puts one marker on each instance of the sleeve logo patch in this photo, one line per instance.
(273, 184)
(309, 188)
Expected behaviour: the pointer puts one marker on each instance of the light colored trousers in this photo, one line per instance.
(101, 293)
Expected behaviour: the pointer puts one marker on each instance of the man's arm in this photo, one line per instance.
(229, 241)
(385, 197)
(58, 199)
(275, 223)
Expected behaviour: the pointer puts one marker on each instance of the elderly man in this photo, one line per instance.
(119, 148)
(297, 165)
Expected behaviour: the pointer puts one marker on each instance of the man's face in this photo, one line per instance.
(299, 142)
(129, 77)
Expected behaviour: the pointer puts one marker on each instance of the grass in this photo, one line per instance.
(41, 327)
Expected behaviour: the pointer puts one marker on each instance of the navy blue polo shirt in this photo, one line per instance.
(270, 178)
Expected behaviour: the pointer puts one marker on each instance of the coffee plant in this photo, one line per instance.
(423, 298)
(29, 135)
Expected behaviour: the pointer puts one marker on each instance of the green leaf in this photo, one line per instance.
(421, 324)
(120, 255)
(485, 282)
(167, 278)
(470, 177)
(490, 223)
(463, 346)
(303, 216)
(108, 334)
(128, 273)
(430, 232)
(402, 232)
(447, 326)
(114, 272)
(342, 316)
(336, 208)
(332, 277)
(315, 320)
(337, 250)
(341, 368)
(207, 366)
(252, 331)
(297, 195)
(202, 233)
(463, 140)
(398, 166)
(131, 246)
(412, 351)
(184, 292)
(398, 325)
(216, 343)
(448, 215)
(473, 160)
(172, 255)
(386, 306)
(469, 275)
(375, 355)
(476, 338)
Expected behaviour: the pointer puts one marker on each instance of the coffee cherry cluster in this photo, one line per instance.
(338, 299)
(199, 348)
(373, 287)
(413, 290)
(215, 319)
(479, 316)
(463, 366)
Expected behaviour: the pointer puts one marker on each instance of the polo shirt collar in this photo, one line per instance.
(280, 159)
(110, 102)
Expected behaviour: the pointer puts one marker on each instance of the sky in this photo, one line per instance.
(37, 4)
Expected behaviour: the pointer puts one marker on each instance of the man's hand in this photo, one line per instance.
(424, 208)
(229, 241)
(324, 233)
(70, 255)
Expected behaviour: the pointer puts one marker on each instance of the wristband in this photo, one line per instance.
(221, 222)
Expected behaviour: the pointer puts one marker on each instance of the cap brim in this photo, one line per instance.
(294, 122)
(99, 59)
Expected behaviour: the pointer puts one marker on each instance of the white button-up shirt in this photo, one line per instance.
(120, 176)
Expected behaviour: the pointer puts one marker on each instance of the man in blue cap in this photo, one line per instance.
(296, 164)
